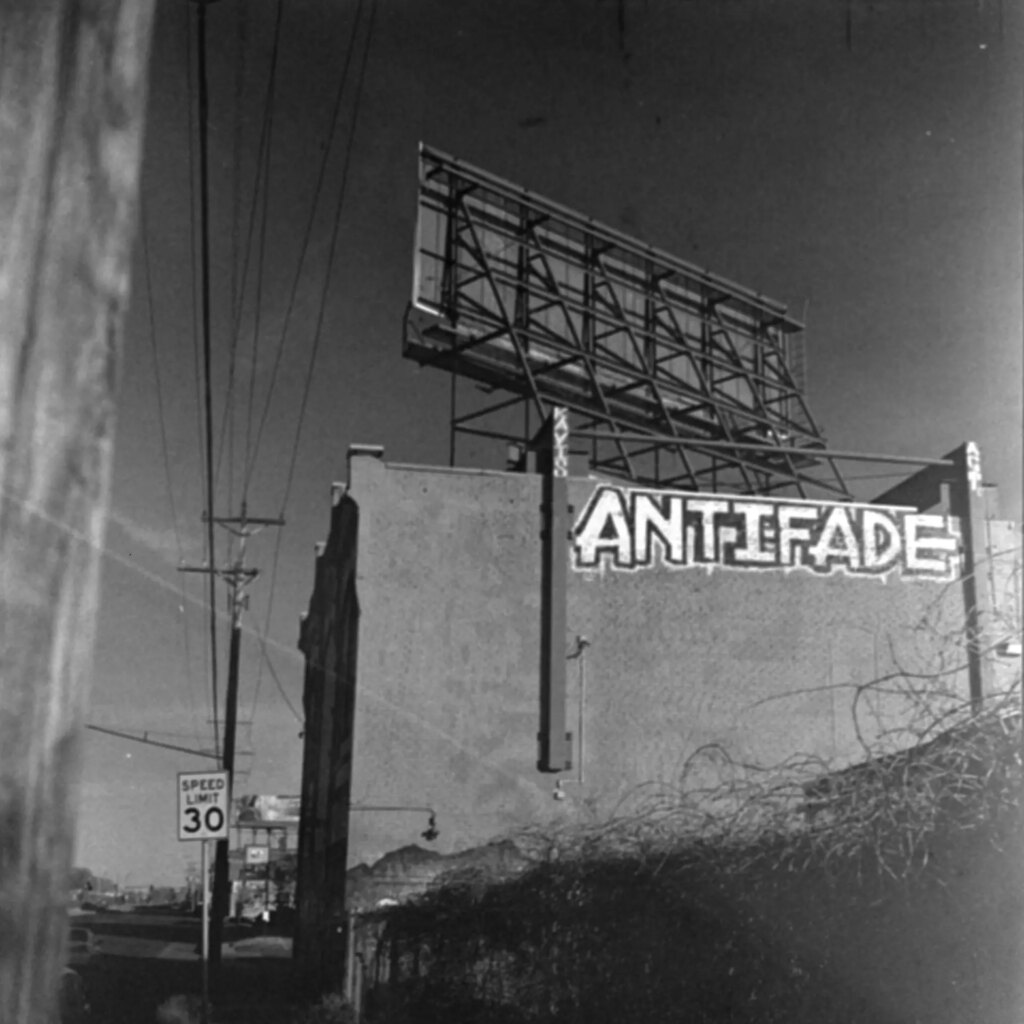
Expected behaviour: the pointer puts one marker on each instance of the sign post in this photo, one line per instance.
(204, 800)
(205, 942)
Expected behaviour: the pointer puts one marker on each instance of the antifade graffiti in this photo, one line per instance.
(629, 529)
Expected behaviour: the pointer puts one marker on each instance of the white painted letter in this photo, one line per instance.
(707, 509)
(837, 543)
(944, 543)
(882, 541)
(604, 528)
(754, 513)
(790, 535)
(649, 522)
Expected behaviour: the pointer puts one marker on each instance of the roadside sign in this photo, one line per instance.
(204, 799)
(257, 855)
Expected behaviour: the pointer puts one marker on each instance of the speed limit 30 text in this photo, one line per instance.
(202, 791)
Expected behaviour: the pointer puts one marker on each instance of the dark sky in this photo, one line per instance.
(860, 162)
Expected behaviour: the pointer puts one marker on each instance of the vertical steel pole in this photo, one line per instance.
(555, 742)
(967, 503)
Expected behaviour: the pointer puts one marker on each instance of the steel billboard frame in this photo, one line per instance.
(548, 307)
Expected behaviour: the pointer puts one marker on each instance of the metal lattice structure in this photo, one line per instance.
(676, 376)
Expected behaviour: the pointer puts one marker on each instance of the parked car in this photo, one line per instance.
(82, 945)
(74, 1004)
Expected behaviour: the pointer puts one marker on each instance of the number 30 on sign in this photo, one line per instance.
(204, 799)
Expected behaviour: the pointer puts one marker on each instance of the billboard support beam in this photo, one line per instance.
(967, 504)
(555, 753)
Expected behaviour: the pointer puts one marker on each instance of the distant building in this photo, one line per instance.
(262, 859)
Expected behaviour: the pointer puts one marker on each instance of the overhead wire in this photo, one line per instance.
(192, 232)
(236, 226)
(164, 451)
(262, 243)
(134, 566)
(332, 249)
(193, 274)
(265, 654)
(236, 194)
(307, 235)
(238, 301)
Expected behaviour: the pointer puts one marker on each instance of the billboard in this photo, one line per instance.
(267, 810)
(523, 295)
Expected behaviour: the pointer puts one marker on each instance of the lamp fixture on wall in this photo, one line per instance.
(430, 833)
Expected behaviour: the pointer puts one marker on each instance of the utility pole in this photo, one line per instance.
(204, 291)
(237, 576)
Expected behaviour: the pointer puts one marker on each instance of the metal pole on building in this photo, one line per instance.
(555, 744)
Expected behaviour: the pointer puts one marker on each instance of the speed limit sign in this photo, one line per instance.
(204, 799)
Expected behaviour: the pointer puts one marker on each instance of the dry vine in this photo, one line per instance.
(597, 929)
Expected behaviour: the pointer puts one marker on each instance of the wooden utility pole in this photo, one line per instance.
(238, 577)
(72, 100)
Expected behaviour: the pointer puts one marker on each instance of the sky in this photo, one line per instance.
(861, 162)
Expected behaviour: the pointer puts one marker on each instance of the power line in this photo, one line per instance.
(144, 738)
(238, 299)
(236, 215)
(144, 235)
(236, 222)
(335, 231)
(262, 243)
(134, 566)
(266, 624)
(306, 237)
(193, 270)
(273, 672)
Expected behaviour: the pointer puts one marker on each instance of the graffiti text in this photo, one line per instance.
(630, 529)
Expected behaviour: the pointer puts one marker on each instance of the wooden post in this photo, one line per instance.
(72, 97)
